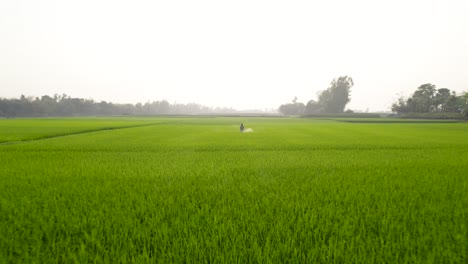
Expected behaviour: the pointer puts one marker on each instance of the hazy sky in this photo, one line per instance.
(242, 54)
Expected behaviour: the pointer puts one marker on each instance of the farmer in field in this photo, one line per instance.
(242, 128)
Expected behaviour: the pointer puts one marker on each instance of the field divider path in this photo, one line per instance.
(87, 131)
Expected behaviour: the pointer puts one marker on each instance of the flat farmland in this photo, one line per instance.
(191, 190)
(39, 128)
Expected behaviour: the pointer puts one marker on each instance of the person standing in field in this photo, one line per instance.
(242, 128)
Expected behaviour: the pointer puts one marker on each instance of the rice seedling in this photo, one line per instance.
(198, 190)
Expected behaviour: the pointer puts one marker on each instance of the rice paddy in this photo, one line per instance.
(191, 190)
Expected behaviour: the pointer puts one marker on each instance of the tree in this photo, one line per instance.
(428, 99)
(424, 98)
(335, 98)
(313, 107)
(293, 108)
(401, 106)
(441, 98)
(453, 104)
(464, 101)
(64, 105)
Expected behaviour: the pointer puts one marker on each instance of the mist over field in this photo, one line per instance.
(245, 55)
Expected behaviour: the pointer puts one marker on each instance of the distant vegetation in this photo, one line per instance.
(330, 101)
(426, 102)
(64, 105)
(429, 102)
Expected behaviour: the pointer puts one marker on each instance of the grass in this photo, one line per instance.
(30, 129)
(197, 190)
(396, 120)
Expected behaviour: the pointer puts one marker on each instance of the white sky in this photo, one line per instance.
(242, 54)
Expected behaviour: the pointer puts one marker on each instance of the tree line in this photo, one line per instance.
(428, 99)
(64, 105)
(330, 101)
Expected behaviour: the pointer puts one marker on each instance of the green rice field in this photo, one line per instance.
(196, 190)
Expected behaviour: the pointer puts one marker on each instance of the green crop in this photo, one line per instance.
(197, 190)
(29, 129)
